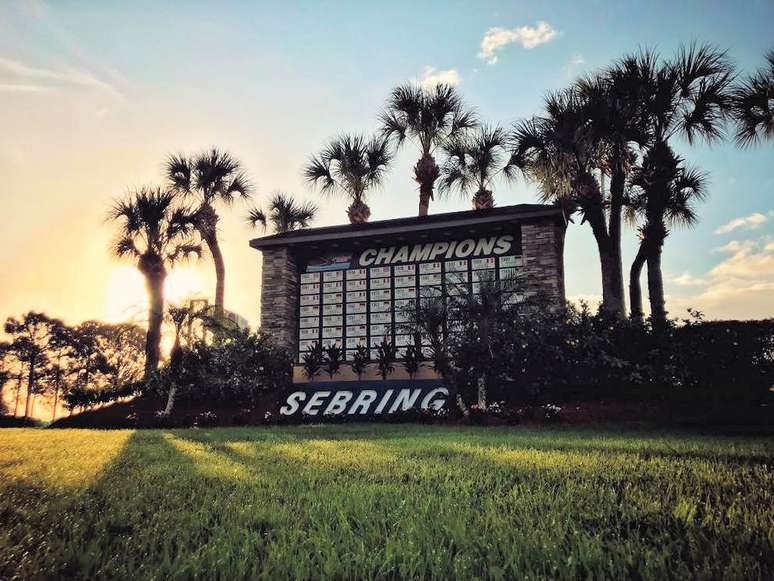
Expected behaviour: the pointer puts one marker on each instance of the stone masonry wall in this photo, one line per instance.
(279, 297)
(543, 254)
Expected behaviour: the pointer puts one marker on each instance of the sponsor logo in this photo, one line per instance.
(324, 263)
(349, 399)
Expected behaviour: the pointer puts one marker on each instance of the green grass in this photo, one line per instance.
(383, 502)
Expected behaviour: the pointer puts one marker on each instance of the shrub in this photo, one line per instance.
(233, 371)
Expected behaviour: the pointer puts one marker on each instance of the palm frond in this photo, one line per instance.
(178, 170)
(256, 216)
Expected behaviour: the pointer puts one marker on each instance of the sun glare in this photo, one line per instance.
(126, 298)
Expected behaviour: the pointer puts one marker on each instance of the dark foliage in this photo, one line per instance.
(235, 370)
(313, 360)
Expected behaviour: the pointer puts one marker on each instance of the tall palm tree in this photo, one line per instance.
(351, 165)
(429, 117)
(662, 210)
(689, 96)
(156, 234)
(284, 215)
(565, 155)
(473, 161)
(753, 105)
(211, 177)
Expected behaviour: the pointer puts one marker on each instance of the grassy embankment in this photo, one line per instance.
(384, 501)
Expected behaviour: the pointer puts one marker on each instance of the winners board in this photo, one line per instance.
(365, 296)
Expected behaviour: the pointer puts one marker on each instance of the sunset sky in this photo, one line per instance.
(94, 95)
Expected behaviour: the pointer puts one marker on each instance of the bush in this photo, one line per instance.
(233, 371)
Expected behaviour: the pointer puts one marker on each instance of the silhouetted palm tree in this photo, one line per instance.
(284, 214)
(211, 177)
(753, 105)
(473, 161)
(564, 153)
(351, 165)
(429, 117)
(156, 234)
(661, 210)
(690, 97)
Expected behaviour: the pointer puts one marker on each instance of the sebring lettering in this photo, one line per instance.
(469, 247)
(363, 402)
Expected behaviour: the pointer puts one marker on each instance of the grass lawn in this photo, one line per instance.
(384, 501)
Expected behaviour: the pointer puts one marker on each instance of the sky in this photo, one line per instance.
(95, 95)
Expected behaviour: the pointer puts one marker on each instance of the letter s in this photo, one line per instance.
(292, 404)
(503, 244)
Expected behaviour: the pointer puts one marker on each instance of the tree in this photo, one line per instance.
(350, 165)
(156, 234)
(88, 365)
(284, 214)
(689, 96)
(60, 351)
(473, 162)
(429, 117)
(753, 105)
(564, 155)
(31, 337)
(122, 345)
(663, 209)
(211, 177)
(179, 317)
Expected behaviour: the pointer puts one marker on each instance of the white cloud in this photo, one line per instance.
(432, 77)
(736, 246)
(740, 286)
(497, 38)
(687, 279)
(20, 77)
(747, 223)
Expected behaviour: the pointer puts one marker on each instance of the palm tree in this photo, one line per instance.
(179, 317)
(690, 97)
(429, 117)
(673, 207)
(564, 153)
(156, 234)
(213, 176)
(753, 105)
(284, 214)
(473, 162)
(351, 165)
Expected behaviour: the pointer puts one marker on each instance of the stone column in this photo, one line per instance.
(279, 297)
(542, 244)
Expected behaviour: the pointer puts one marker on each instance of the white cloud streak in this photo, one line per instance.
(746, 223)
(20, 77)
(432, 77)
(528, 37)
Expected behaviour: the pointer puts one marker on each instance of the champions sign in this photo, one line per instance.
(339, 398)
(468, 248)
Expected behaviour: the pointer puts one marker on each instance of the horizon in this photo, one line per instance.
(88, 115)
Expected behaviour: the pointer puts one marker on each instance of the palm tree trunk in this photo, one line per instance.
(635, 289)
(656, 283)
(426, 171)
(220, 273)
(424, 201)
(174, 366)
(610, 265)
(155, 284)
(617, 185)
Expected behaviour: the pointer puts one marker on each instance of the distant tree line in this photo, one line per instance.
(80, 365)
